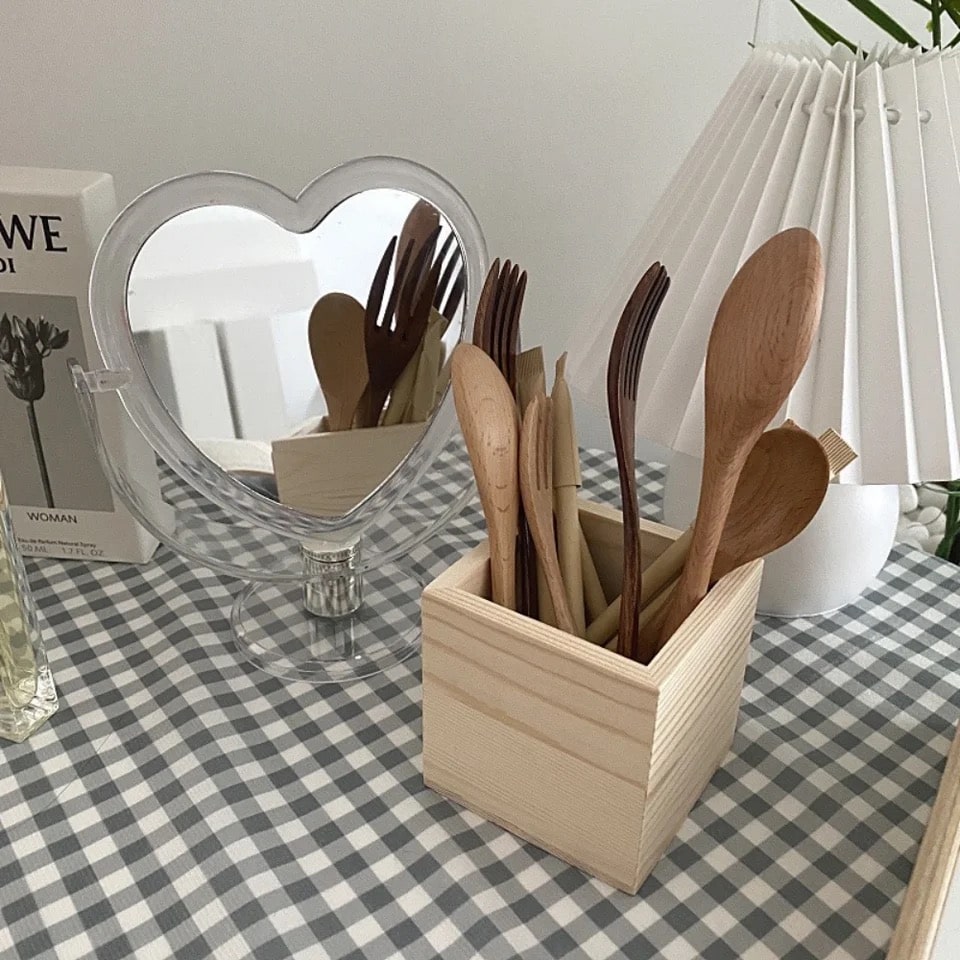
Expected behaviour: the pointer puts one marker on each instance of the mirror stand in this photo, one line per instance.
(277, 629)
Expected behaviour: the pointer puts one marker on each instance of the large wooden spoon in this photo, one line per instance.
(339, 354)
(488, 419)
(760, 342)
(422, 226)
(780, 490)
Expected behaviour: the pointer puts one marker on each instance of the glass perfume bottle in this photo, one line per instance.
(27, 694)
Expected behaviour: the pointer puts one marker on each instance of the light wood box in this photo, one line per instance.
(328, 474)
(584, 753)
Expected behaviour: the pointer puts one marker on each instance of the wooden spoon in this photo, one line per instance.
(780, 491)
(488, 419)
(760, 342)
(536, 488)
(339, 355)
(781, 487)
(421, 226)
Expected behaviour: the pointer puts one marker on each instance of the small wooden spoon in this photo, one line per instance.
(780, 490)
(339, 354)
(536, 487)
(760, 342)
(488, 419)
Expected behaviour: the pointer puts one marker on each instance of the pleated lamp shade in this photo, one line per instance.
(864, 152)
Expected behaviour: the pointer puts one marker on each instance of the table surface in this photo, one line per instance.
(183, 804)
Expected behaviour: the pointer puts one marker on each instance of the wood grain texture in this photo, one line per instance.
(566, 484)
(759, 343)
(488, 420)
(327, 474)
(589, 755)
(916, 932)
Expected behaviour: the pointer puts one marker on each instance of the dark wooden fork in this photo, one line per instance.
(391, 336)
(623, 375)
(451, 288)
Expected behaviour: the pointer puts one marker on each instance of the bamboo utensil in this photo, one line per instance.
(336, 336)
(759, 343)
(531, 383)
(424, 393)
(536, 488)
(400, 407)
(566, 483)
(623, 373)
(594, 598)
(488, 419)
(392, 338)
(531, 377)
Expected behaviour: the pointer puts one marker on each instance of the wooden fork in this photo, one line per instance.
(536, 489)
(391, 338)
(450, 289)
(623, 374)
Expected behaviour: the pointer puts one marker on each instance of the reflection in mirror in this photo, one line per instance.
(305, 364)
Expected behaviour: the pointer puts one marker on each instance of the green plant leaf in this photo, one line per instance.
(883, 20)
(823, 29)
(953, 12)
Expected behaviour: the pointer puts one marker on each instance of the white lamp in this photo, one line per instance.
(864, 152)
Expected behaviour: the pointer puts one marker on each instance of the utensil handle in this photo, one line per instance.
(503, 572)
(402, 391)
(593, 595)
(662, 571)
(568, 547)
(717, 488)
(547, 614)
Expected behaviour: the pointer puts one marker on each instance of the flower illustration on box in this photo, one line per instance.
(24, 345)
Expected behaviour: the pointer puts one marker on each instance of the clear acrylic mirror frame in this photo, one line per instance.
(245, 534)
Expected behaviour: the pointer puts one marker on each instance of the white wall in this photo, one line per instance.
(560, 120)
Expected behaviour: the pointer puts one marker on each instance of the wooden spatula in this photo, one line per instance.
(339, 354)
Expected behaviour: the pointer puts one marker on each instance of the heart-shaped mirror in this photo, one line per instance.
(286, 360)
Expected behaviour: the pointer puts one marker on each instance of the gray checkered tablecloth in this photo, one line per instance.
(183, 804)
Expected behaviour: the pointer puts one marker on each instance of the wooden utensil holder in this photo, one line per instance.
(593, 757)
(327, 474)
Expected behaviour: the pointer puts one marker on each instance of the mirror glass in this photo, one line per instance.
(256, 341)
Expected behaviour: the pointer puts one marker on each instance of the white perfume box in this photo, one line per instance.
(51, 222)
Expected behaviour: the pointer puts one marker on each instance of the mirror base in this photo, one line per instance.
(276, 634)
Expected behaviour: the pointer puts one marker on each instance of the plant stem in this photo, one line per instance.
(935, 13)
(38, 447)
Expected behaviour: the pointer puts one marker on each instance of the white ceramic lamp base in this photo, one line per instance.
(830, 564)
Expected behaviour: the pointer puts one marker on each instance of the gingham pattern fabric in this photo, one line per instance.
(181, 804)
